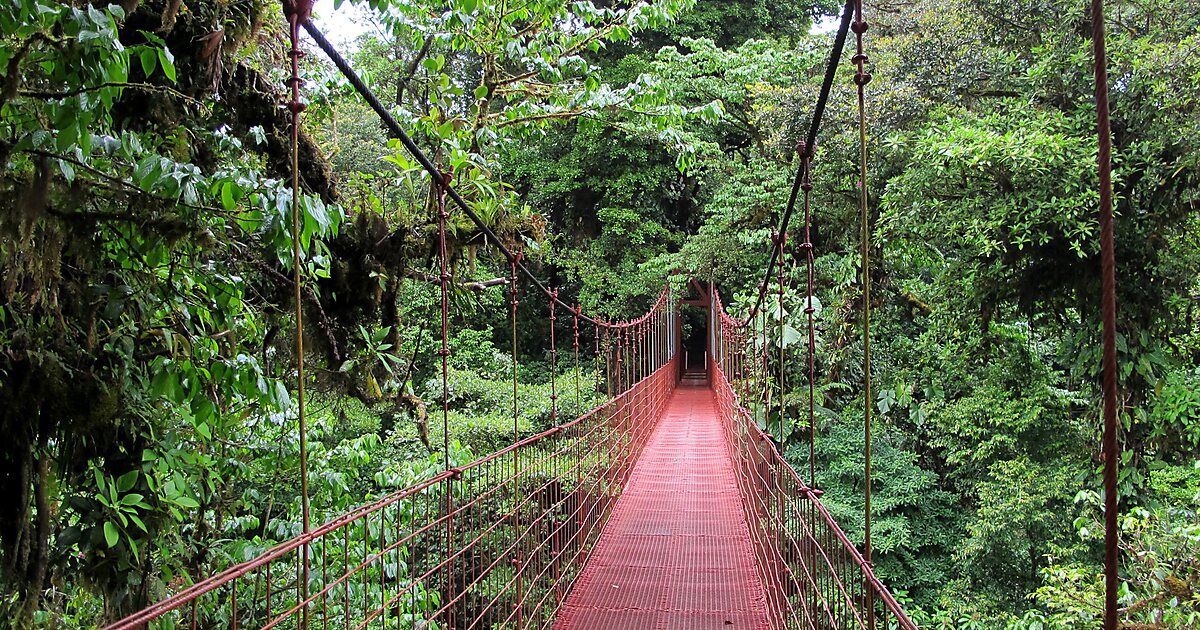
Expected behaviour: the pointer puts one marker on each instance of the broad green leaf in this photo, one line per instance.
(67, 170)
(227, 199)
(167, 61)
(111, 534)
(149, 59)
(126, 482)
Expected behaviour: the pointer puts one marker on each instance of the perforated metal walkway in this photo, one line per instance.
(677, 551)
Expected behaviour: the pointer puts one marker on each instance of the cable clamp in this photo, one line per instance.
(299, 9)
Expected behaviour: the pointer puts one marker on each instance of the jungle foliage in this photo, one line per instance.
(147, 346)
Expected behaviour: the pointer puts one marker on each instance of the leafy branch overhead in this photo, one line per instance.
(482, 73)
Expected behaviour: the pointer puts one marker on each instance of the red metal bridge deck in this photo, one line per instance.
(677, 552)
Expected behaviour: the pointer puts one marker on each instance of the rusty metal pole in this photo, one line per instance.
(441, 186)
(861, 79)
(575, 327)
(596, 361)
(780, 242)
(626, 358)
(298, 12)
(1108, 265)
(553, 295)
(639, 356)
(620, 343)
(637, 353)
(553, 362)
(806, 155)
(512, 292)
(516, 453)
(608, 370)
(765, 366)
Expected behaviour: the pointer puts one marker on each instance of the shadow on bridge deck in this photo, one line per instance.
(677, 552)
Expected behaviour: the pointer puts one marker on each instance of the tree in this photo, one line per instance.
(138, 253)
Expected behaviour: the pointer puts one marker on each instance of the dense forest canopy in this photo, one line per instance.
(147, 346)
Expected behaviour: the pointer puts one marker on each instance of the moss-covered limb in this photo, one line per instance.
(473, 285)
(251, 100)
(207, 41)
(421, 417)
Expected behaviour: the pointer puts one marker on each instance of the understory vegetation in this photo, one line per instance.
(147, 330)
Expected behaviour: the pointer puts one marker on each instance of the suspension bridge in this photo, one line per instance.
(669, 505)
(664, 507)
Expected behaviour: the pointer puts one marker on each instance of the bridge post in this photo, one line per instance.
(596, 359)
(627, 358)
(710, 351)
(637, 353)
(607, 363)
(297, 13)
(440, 186)
(618, 366)
(677, 338)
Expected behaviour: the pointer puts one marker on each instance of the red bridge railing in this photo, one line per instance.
(496, 543)
(813, 574)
